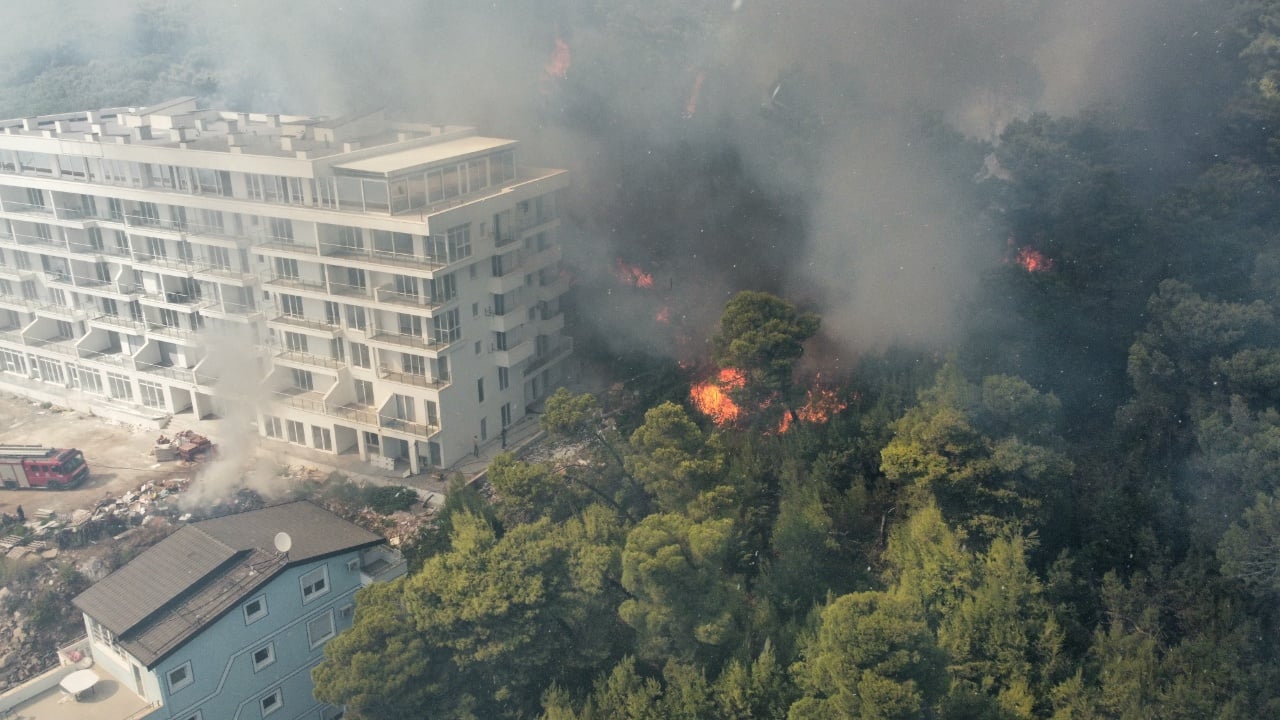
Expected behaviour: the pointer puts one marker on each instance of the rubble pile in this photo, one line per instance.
(186, 445)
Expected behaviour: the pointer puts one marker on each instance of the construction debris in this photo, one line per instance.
(186, 445)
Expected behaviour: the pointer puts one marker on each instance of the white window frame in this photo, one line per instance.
(198, 716)
(251, 619)
(308, 580)
(276, 705)
(327, 616)
(271, 656)
(187, 680)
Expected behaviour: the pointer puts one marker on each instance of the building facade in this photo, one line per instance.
(353, 285)
(215, 622)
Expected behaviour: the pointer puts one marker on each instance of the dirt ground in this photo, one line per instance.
(118, 455)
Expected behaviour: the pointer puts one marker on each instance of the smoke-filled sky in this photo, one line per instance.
(723, 145)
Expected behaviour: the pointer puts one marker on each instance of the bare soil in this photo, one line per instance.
(119, 456)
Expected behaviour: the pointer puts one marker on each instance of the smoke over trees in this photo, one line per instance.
(1041, 239)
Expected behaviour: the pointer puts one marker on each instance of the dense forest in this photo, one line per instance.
(1071, 510)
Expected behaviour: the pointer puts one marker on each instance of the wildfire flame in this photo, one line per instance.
(691, 107)
(558, 64)
(1033, 260)
(632, 275)
(711, 397)
(664, 315)
(820, 405)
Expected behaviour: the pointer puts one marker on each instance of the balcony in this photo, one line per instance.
(414, 379)
(308, 400)
(162, 263)
(59, 345)
(115, 359)
(12, 302)
(22, 208)
(385, 294)
(514, 354)
(365, 414)
(382, 257)
(305, 359)
(407, 426)
(170, 372)
(183, 335)
(296, 283)
(115, 322)
(556, 354)
(175, 301)
(398, 340)
(60, 311)
(41, 242)
(346, 290)
(99, 251)
(41, 698)
(9, 273)
(329, 330)
(381, 565)
(287, 245)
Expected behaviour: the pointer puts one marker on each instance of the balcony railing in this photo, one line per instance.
(306, 358)
(385, 293)
(301, 322)
(408, 426)
(117, 321)
(295, 283)
(406, 378)
(561, 350)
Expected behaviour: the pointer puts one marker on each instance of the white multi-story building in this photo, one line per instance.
(354, 285)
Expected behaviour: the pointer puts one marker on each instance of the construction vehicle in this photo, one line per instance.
(36, 466)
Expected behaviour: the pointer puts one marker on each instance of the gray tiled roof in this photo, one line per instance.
(170, 592)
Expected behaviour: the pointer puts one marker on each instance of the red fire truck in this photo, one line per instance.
(33, 466)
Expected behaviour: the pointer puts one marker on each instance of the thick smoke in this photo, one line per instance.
(720, 146)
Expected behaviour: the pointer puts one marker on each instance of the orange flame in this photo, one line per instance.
(691, 107)
(711, 397)
(820, 405)
(558, 64)
(664, 315)
(1033, 260)
(632, 275)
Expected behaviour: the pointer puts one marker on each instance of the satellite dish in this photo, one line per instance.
(283, 542)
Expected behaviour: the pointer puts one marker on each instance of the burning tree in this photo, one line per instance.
(762, 335)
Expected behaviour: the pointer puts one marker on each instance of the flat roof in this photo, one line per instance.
(393, 163)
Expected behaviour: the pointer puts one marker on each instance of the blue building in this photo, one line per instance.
(216, 622)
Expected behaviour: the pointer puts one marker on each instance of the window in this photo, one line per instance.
(480, 390)
(152, 394)
(329, 712)
(459, 242)
(332, 312)
(65, 329)
(271, 426)
(448, 328)
(297, 432)
(443, 288)
(90, 381)
(302, 379)
(273, 700)
(506, 414)
(433, 413)
(120, 387)
(475, 309)
(320, 629)
(355, 317)
(360, 355)
(264, 656)
(180, 677)
(413, 364)
(321, 438)
(504, 378)
(281, 229)
(198, 716)
(291, 306)
(255, 609)
(406, 285)
(286, 268)
(364, 392)
(295, 341)
(315, 584)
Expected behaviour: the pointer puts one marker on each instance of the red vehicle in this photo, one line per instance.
(33, 466)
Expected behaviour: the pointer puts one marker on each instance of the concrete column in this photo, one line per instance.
(414, 465)
(196, 408)
(360, 446)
